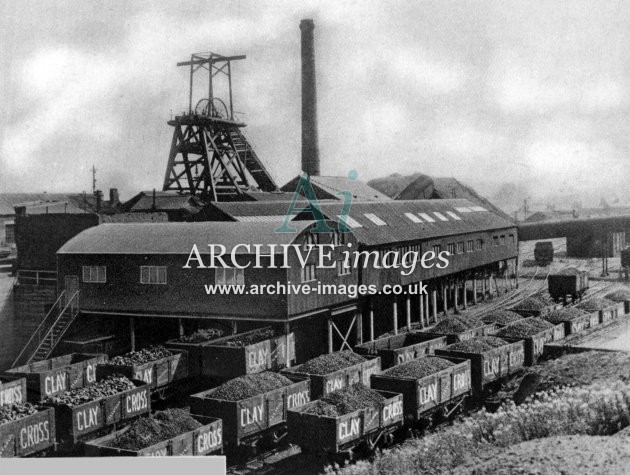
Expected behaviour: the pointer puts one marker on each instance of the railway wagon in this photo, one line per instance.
(463, 336)
(490, 366)
(157, 373)
(441, 390)
(322, 384)
(611, 313)
(625, 258)
(579, 324)
(543, 253)
(534, 345)
(335, 435)
(194, 351)
(397, 349)
(28, 435)
(75, 423)
(246, 353)
(568, 282)
(205, 440)
(249, 420)
(12, 390)
(50, 377)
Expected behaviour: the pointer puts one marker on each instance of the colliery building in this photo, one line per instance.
(135, 271)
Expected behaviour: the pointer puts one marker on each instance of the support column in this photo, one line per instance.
(475, 290)
(434, 306)
(359, 317)
(395, 316)
(180, 323)
(465, 296)
(421, 307)
(455, 292)
(132, 333)
(516, 272)
(483, 287)
(408, 313)
(330, 336)
(444, 299)
(234, 327)
(288, 352)
(371, 321)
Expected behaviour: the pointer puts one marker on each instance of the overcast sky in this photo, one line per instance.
(483, 91)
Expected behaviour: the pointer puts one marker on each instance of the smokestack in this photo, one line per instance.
(310, 147)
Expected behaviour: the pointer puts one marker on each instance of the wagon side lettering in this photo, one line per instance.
(90, 373)
(461, 381)
(334, 384)
(11, 395)
(349, 428)
(159, 453)
(34, 434)
(209, 440)
(54, 383)
(136, 402)
(145, 375)
(88, 418)
(491, 366)
(258, 358)
(427, 393)
(392, 410)
(253, 416)
(298, 399)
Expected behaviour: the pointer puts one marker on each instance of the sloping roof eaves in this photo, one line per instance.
(176, 238)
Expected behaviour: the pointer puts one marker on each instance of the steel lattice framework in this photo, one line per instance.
(210, 156)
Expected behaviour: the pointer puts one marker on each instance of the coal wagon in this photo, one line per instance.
(543, 253)
(397, 349)
(205, 440)
(570, 282)
(441, 391)
(53, 376)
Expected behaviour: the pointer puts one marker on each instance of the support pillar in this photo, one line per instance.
(483, 287)
(359, 317)
(288, 351)
(464, 296)
(455, 292)
(132, 333)
(421, 307)
(408, 313)
(330, 335)
(516, 272)
(371, 321)
(234, 327)
(444, 299)
(180, 323)
(475, 290)
(395, 316)
(434, 306)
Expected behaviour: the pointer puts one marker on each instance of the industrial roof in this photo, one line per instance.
(164, 201)
(176, 238)
(328, 187)
(38, 202)
(388, 222)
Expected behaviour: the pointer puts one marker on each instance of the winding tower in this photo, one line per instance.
(210, 155)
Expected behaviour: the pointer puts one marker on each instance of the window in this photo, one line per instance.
(479, 245)
(375, 219)
(463, 209)
(512, 239)
(94, 274)
(348, 221)
(406, 255)
(153, 274)
(440, 216)
(426, 217)
(308, 273)
(470, 246)
(9, 229)
(460, 247)
(451, 248)
(495, 240)
(413, 217)
(454, 216)
(437, 248)
(229, 276)
(342, 268)
(478, 208)
(503, 239)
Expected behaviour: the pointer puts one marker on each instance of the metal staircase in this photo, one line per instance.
(50, 331)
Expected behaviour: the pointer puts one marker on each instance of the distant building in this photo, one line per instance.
(328, 188)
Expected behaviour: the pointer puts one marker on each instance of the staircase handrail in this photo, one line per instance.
(46, 324)
(74, 311)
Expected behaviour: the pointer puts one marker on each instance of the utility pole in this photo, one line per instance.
(93, 179)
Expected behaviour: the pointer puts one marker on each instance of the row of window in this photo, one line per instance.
(148, 274)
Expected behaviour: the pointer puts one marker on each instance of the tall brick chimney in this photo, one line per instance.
(310, 146)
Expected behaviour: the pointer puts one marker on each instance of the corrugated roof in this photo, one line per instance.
(8, 201)
(398, 225)
(165, 201)
(175, 238)
(332, 185)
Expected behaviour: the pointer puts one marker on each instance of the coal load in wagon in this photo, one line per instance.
(618, 295)
(451, 325)
(503, 317)
(106, 387)
(535, 302)
(161, 426)
(420, 368)
(331, 362)
(521, 329)
(477, 345)
(13, 412)
(146, 355)
(201, 335)
(249, 385)
(345, 401)
(594, 304)
(251, 338)
(565, 314)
